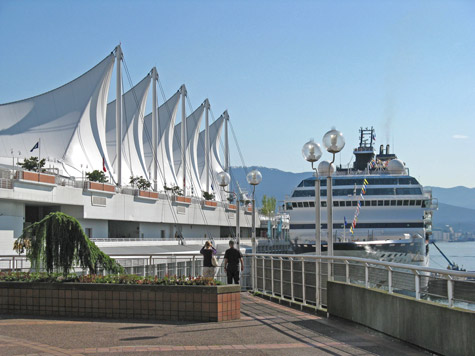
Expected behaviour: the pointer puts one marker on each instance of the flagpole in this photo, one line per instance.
(39, 155)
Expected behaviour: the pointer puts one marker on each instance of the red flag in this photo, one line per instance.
(104, 165)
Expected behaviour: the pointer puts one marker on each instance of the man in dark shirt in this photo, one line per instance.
(232, 257)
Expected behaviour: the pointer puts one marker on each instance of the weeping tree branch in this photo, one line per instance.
(59, 242)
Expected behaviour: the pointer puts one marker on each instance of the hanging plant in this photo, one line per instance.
(58, 242)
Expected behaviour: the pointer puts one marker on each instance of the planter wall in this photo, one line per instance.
(115, 301)
(102, 187)
(36, 177)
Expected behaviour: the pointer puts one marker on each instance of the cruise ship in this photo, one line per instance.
(379, 210)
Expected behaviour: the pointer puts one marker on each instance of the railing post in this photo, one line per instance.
(366, 275)
(264, 274)
(272, 275)
(417, 284)
(193, 267)
(150, 264)
(390, 280)
(450, 291)
(281, 277)
(253, 272)
(347, 271)
(13, 264)
(303, 281)
(292, 279)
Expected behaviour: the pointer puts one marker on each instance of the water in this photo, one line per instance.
(460, 253)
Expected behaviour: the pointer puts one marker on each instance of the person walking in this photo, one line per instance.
(208, 251)
(232, 258)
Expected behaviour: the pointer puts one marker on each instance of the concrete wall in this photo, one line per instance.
(448, 331)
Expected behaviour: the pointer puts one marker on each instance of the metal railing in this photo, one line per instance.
(295, 277)
(303, 278)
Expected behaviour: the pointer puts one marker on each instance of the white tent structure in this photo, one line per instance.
(68, 122)
(76, 130)
(192, 132)
(133, 107)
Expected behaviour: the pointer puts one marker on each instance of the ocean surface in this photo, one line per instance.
(460, 253)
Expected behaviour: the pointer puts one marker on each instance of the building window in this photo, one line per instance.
(305, 204)
(299, 204)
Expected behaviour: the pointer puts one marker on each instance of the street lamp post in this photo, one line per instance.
(224, 179)
(334, 142)
(312, 153)
(254, 178)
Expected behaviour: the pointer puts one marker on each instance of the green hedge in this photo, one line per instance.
(110, 279)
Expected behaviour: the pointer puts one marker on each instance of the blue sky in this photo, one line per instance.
(287, 71)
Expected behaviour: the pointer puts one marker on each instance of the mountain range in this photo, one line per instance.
(456, 205)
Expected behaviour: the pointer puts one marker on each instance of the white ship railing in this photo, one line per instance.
(293, 277)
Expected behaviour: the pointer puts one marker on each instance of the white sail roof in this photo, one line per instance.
(164, 152)
(133, 103)
(214, 160)
(69, 120)
(192, 132)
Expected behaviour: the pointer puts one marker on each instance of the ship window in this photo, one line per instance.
(299, 204)
(367, 203)
(288, 206)
(373, 202)
(406, 202)
(324, 204)
(399, 203)
(294, 205)
(354, 203)
(335, 203)
(393, 202)
(380, 203)
(418, 202)
(412, 202)
(305, 204)
(311, 204)
(348, 203)
(386, 203)
(301, 184)
(408, 191)
(303, 193)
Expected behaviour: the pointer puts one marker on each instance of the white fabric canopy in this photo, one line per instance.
(69, 120)
(133, 161)
(164, 152)
(192, 132)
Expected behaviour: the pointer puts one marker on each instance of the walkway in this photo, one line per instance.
(265, 328)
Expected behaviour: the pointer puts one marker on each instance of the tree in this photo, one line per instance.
(208, 196)
(268, 205)
(58, 242)
(174, 189)
(140, 182)
(97, 176)
(31, 164)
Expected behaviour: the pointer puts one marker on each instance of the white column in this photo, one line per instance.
(226, 142)
(207, 106)
(183, 136)
(118, 115)
(154, 128)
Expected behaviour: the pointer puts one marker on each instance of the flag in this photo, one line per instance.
(104, 164)
(37, 145)
(365, 181)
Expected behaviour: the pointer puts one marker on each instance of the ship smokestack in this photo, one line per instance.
(387, 149)
(381, 149)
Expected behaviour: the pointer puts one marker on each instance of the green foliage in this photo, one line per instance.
(174, 189)
(109, 279)
(140, 182)
(208, 196)
(31, 164)
(58, 242)
(268, 205)
(97, 176)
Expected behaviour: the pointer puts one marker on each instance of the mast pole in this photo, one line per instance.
(118, 115)
(183, 136)
(154, 128)
(226, 142)
(207, 106)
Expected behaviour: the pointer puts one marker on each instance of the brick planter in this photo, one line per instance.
(116, 301)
